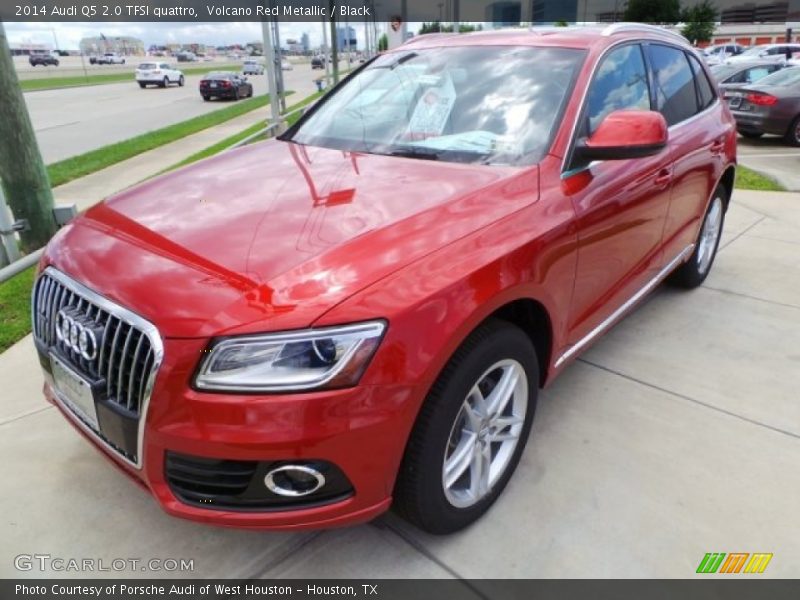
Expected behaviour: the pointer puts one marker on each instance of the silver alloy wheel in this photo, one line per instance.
(485, 433)
(709, 235)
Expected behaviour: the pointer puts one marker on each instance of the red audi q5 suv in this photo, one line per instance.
(360, 313)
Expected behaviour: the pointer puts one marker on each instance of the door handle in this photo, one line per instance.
(663, 178)
(717, 147)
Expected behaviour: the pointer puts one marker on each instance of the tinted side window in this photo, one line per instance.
(620, 83)
(673, 82)
(705, 91)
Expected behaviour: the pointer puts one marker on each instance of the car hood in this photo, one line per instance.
(271, 236)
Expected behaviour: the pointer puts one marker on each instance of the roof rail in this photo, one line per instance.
(643, 27)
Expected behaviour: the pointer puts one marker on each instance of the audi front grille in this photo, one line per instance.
(120, 367)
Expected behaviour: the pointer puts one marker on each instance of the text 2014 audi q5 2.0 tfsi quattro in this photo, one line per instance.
(301, 332)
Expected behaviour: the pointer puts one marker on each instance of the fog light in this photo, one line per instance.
(294, 480)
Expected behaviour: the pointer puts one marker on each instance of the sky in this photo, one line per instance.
(217, 34)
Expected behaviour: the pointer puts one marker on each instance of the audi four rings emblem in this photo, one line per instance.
(75, 336)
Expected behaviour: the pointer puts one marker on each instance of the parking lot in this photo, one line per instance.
(676, 435)
(771, 156)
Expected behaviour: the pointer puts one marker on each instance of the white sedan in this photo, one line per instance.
(251, 67)
(160, 74)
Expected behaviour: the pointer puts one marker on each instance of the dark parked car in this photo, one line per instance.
(318, 62)
(42, 59)
(738, 75)
(770, 106)
(225, 85)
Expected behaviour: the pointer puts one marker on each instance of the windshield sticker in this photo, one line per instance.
(432, 111)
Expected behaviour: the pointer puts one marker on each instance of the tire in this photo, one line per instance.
(165, 82)
(752, 135)
(694, 271)
(142, 85)
(236, 95)
(792, 136)
(445, 429)
(181, 81)
(206, 98)
(55, 63)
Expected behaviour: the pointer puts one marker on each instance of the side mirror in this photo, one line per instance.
(625, 134)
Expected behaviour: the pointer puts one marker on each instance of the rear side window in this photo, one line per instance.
(673, 82)
(620, 83)
(705, 92)
(164, 66)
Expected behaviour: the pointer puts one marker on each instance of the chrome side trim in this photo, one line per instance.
(614, 317)
(134, 320)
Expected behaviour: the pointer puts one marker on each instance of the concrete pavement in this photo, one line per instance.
(771, 156)
(675, 435)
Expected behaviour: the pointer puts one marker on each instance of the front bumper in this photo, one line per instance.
(362, 431)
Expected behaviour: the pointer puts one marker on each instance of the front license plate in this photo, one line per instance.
(75, 391)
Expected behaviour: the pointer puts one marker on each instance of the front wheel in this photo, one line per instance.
(165, 82)
(751, 135)
(471, 430)
(142, 85)
(181, 81)
(694, 272)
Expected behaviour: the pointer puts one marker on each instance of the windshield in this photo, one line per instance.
(789, 76)
(754, 51)
(722, 72)
(495, 105)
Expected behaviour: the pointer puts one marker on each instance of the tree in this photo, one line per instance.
(22, 172)
(561, 23)
(383, 43)
(434, 27)
(653, 11)
(437, 27)
(699, 22)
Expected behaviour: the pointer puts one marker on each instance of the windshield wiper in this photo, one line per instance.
(415, 153)
(393, 65)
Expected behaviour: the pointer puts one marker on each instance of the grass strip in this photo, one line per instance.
(50, 83)
(15, 308)
(237, 137)
(84, 164)
(747, 179)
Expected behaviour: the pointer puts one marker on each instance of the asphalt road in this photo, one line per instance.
(71, 121)
(772, 156)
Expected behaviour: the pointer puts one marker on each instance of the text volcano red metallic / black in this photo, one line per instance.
(298, 332)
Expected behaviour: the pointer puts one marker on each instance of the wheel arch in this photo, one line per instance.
(532, 318)
(727, 180)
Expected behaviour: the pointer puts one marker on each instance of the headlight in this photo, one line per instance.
(303, 360)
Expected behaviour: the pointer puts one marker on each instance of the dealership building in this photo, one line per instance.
(122, 45)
